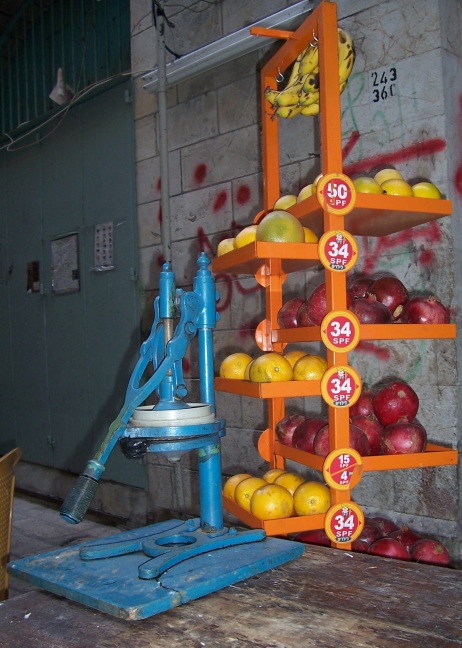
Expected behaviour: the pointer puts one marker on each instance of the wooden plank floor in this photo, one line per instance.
(327, 598)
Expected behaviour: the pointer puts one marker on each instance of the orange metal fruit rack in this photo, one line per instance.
(372, 215)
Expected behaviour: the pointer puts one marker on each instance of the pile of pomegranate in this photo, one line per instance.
(382, 422)
(373, 299)
(382, 537)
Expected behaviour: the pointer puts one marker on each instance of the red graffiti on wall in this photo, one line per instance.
(458, 174)
(419, 149)
(220, 201)
(200, 172)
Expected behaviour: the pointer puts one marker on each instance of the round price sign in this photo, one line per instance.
(344, 522)
(341, 386)
(336, 193)
(342, 468)
(338, 251)
(340, 331)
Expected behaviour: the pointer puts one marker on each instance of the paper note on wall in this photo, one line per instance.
(104, 251)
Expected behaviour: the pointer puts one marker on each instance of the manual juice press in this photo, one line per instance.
(139, 573)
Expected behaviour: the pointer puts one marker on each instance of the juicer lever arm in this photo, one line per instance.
(77, 502)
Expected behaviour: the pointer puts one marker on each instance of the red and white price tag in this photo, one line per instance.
(342, 468)
(344, 522)
(338, 251)
(336, 193)
(341, 386)
(340, 331)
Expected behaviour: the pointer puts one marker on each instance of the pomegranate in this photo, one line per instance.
(363, 405)
(385, 525)
(287, 426)
(317, 305)
(370, 311)
(369, 534)
(303, 318)
(406, 536)
(359, 285)
(395, 402)
(403, 438)
(372, 428)
(389, 548)
(357, 440)
(424, 310)
(430, 552)
(391, 292)
(315, 536)
(287, 315)
(305, 433)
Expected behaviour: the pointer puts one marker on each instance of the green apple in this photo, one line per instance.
(395, 187)
(364, 184)
(426, 190)
(387, 174)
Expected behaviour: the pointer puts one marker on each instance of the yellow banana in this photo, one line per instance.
(271, 95)
(308, 98)
(288, 111)
(342, 87)
(311, 82)
(311, 110)
(295, 73)
(309, 61)
(346, 55)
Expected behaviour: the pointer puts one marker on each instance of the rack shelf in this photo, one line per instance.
(370, 215)
(287, 389)
(372, 332)
(376, 215)
(434, 455)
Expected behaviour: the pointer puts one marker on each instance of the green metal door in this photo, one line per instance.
(73, 336)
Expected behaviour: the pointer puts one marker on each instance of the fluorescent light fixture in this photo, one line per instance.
(228, 48)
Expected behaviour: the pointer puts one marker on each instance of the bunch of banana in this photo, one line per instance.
(301, 93)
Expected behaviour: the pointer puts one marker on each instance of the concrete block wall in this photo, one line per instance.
(216, 189)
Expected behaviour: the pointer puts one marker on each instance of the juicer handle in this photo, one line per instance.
(82, 492)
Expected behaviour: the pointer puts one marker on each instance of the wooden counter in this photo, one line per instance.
(327, 598)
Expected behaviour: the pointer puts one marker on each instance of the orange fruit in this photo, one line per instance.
(280, 227)
(231, 483)
(395, 187)
(387, 174)
(426, 190)
(271, 502)
(245, 489)
(284, 202)
(289, 480)
(310, 236)
(270, 367)
(245, 236)
(311, 498)
(293, 356)
(234, 366)
(305, 193)
(310, 367)
(224, 246)
(271, 474)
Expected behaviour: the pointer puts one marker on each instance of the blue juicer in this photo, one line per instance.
(137, 574)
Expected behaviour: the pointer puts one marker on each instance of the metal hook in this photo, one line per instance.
(280, 76)
(316, 40)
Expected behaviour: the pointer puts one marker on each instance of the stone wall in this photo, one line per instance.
(216, 189)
